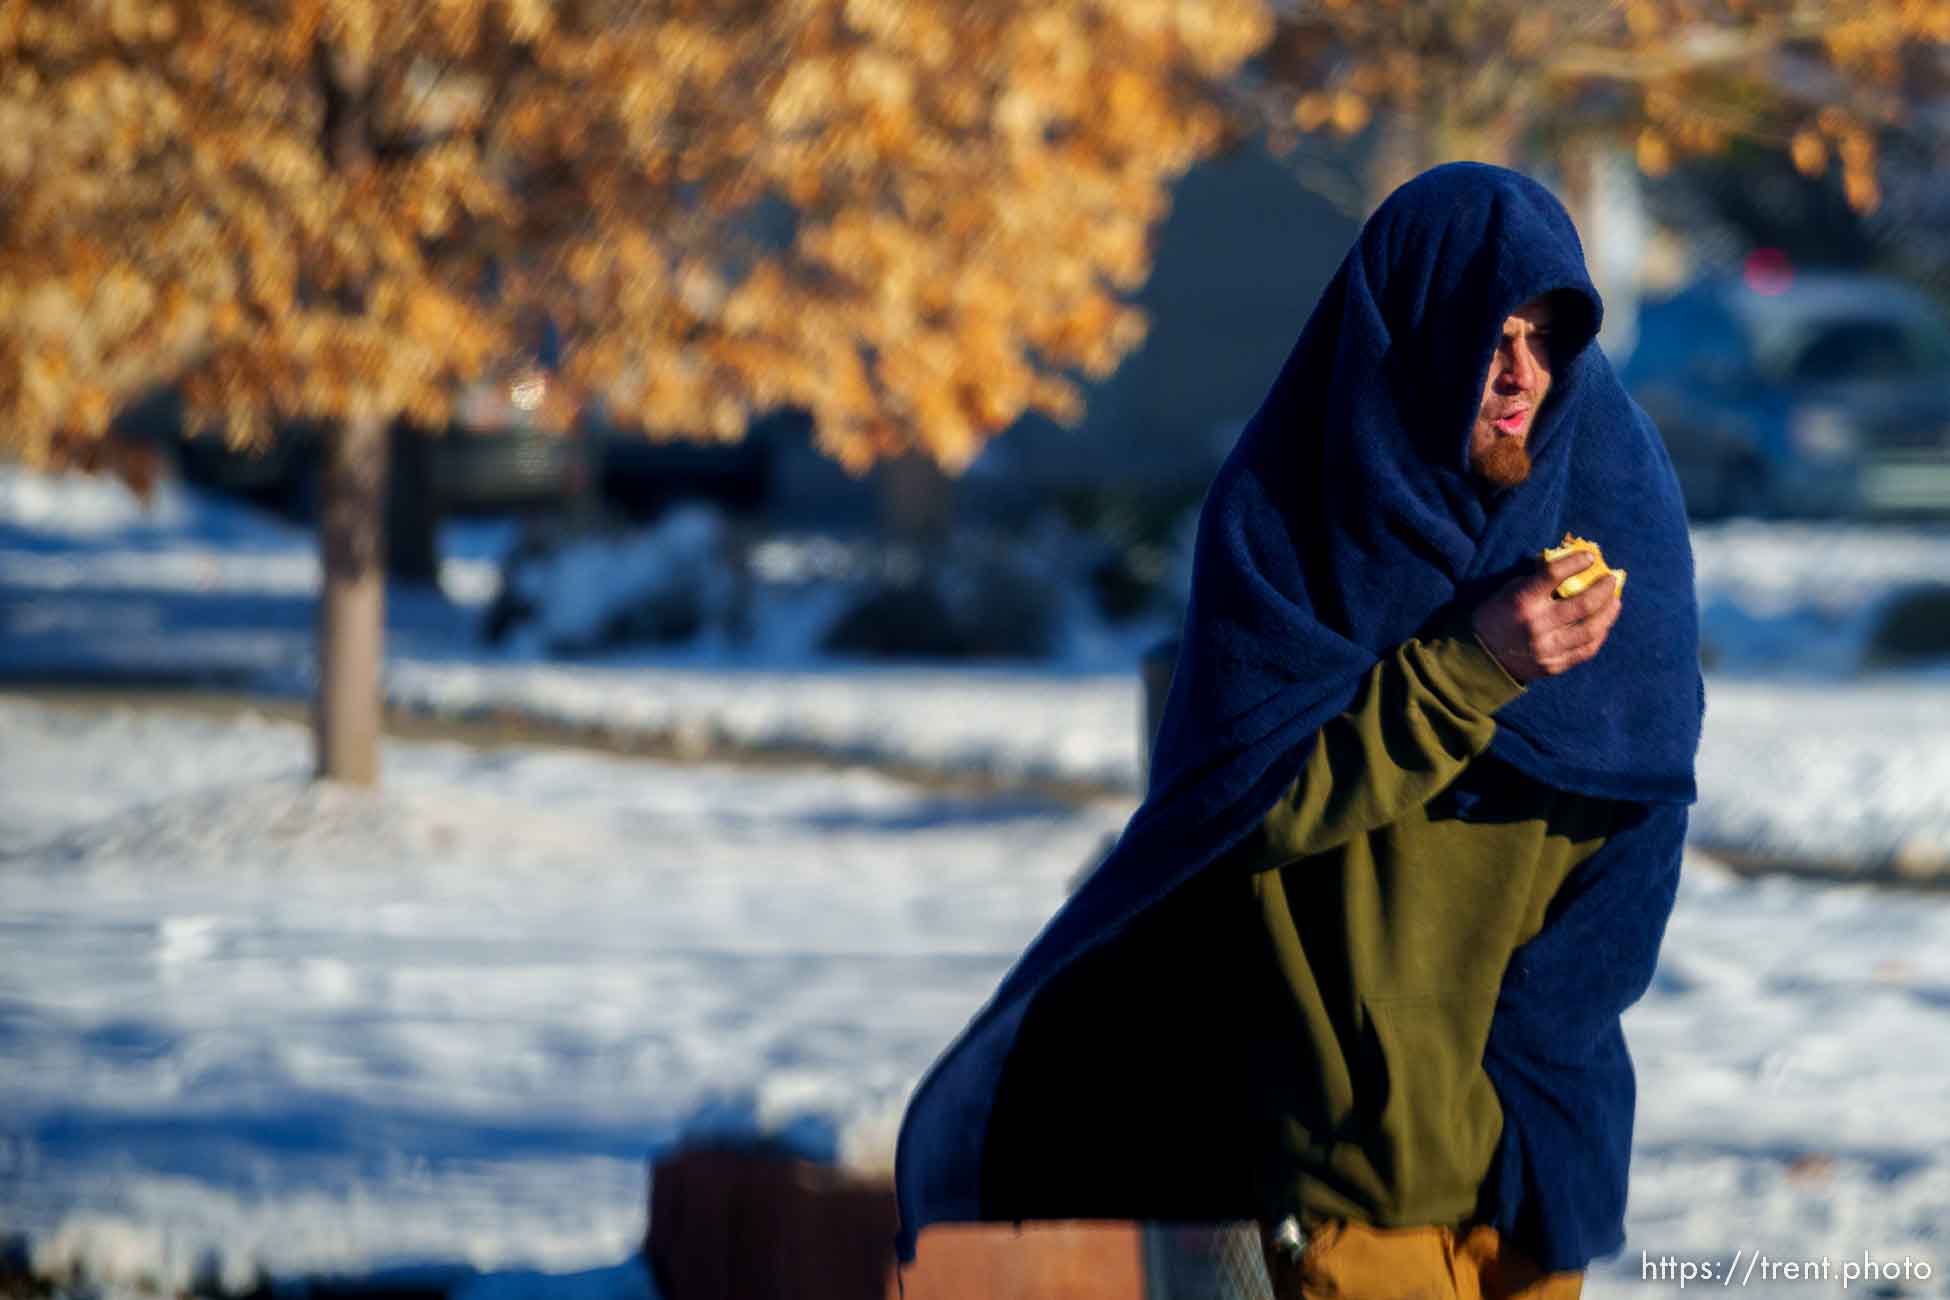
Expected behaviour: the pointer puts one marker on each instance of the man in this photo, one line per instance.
(1518, 382)
(1356, 965)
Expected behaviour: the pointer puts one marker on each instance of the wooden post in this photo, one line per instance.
(728, 1224)
(351, 602)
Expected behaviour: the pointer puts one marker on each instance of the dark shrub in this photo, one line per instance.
(979, 600)
(1914, 626)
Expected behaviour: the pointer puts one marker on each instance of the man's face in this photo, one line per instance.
(1513, 391)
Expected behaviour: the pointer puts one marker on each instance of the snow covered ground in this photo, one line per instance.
(1804, 599)
(247, 1023)
(306, 1028)
(1805, 757)
(189, 587)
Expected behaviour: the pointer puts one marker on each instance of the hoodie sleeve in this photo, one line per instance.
(1423, 714)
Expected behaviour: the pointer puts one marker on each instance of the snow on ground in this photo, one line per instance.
(1844, 775)
(304, 1028)
(189, 587)
(1805, 598)
(77, 506)
(246, 1023)
(1803, 757)
(1791, 1056)
(1854, 775)
(1012, 722)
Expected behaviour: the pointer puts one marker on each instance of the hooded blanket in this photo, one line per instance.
(1344, 522)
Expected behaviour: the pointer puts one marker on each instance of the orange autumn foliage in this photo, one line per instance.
(1820, 80)
(917, 219)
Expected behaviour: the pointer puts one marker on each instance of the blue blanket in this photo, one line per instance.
(1344, 522)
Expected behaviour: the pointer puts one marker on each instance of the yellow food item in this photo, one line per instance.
(1577, 582)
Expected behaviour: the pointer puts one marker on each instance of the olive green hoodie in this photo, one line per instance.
(1389, 885)
(1300, 1028)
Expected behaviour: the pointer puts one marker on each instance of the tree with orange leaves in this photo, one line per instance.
(1545, 80)
(915, 219)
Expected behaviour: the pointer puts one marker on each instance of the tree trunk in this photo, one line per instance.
(1407, 148)
(352, 604)
(1600, 189)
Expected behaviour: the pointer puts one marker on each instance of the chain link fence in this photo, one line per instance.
(1205, 1262)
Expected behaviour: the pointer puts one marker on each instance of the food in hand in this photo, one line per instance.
(1578, 581)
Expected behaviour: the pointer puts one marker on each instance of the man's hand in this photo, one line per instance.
(1534, 635)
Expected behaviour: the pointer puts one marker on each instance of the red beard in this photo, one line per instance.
(1504, 465)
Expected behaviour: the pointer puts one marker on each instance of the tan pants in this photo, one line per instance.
(1351, 1261)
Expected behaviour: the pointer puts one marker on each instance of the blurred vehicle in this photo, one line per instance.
(640, 477)
(494, 457)
(499, 454)
(1799, 394)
